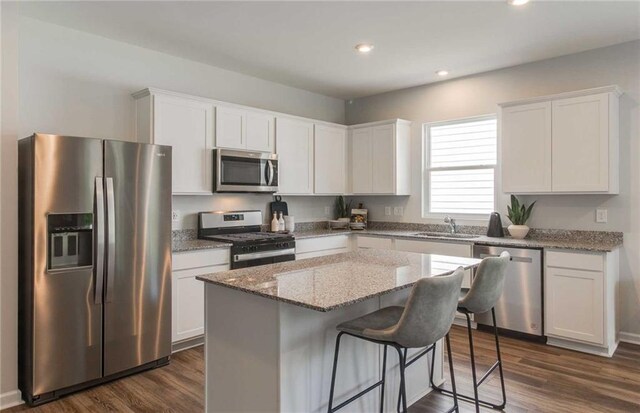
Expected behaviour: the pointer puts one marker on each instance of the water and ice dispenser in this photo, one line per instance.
(70, 241)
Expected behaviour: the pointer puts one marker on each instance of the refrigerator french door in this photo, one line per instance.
(94, 262)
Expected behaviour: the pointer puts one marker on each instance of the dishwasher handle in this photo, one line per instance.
(512, 258)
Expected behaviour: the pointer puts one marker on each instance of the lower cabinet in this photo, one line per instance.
(317, 247)
(187, 313)
(580, 296)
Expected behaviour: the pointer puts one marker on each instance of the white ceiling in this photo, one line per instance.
(310, 45)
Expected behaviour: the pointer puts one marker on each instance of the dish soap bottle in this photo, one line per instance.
(281, 222)
(275, 225)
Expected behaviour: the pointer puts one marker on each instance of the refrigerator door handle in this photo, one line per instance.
(99, 219)
(111, 239)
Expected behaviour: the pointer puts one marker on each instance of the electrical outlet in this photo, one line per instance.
(601, 215)
(398, 211)
(387, 211)
(175, 216)
(327, 210)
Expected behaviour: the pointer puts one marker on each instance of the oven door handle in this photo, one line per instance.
(265, 254)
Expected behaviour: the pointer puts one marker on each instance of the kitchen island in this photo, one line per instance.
(270, 331)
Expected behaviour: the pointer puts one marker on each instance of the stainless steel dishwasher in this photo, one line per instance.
(520, 306)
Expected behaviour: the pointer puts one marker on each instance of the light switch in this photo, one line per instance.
(175, 215)
(601, 215)
(327, 210)
(387, 211)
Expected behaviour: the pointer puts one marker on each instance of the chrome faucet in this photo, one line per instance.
(452, 224)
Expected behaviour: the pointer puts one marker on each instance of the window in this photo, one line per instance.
(460, 161)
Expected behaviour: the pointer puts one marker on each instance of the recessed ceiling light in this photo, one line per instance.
(517, 2)
(442, 73)
(364, 47)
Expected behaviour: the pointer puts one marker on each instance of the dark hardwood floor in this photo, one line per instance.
(539, 379)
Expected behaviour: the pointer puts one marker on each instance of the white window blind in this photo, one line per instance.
(461, 159)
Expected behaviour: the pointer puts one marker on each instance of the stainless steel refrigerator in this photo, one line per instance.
(94, 262)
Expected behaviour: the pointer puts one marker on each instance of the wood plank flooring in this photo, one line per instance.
(539, 378)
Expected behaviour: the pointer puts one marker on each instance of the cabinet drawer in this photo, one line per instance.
(434, 247)
(375, 242)
(322, 244)
(202, 258)
(580, 261)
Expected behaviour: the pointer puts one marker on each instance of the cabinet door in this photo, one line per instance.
(361, 167)
(383, 159)
(329, 162)
(574, 304)
(260, 132)
(230, 128)
(526, 148)
(188, 305)
(186, 125)
(294, 140)
(581, 144)
(188, 302)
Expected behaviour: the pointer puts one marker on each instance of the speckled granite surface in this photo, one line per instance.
(186, 240)
(334, 281)
(595, 241)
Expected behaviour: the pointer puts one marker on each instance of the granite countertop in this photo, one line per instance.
(334, 281)
(586, 241)
(182, 245)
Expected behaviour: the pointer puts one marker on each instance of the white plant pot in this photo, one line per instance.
(518, 231)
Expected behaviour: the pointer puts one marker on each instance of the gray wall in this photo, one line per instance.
(479, 94)
(57, 80)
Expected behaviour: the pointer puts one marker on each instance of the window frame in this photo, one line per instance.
(426, 169)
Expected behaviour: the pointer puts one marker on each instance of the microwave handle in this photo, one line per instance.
(269, 172)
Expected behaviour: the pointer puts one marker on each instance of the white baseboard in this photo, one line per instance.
(583, 347)
(632, 338)
(10, 399)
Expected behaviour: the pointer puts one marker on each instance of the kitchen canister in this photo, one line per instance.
(289, 223)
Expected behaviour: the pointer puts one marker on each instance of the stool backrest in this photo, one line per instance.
(429, 311)
(487, 285)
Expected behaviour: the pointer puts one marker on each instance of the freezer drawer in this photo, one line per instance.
(520, 306)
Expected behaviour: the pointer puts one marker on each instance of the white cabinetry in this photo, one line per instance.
(317, 247)
(565, 143)
(295, 156)
(238, 128)
(330, 150)
(187, 126)
(187, 314)
(380, 158)
(580, 296)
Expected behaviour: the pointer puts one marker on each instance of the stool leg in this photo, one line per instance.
(453, 376)
(473, 364)
(399, 394)
(333, 373)
(495, 332)
(403, 391)
(384, 373)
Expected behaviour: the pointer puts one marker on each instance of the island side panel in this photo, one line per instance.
(307, 340)
(241, 352)
(417, 374)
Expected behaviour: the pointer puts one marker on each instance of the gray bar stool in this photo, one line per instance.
(483, 295)
(426, 318)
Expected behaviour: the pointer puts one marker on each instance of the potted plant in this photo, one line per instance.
(518, 214)
(343, 209)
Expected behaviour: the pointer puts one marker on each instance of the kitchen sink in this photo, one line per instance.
(445, 235)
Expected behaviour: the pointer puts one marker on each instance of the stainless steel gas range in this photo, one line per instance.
(250, 246)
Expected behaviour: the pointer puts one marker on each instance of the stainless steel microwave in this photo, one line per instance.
(244, 171)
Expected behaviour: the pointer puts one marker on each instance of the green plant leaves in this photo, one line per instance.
(518, 213)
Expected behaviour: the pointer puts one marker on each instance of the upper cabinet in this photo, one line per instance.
(380, 158)
(187, 126)
(330, 159)
(238, 128)
(566, 143)
(295, 156)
